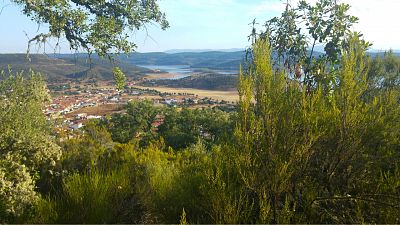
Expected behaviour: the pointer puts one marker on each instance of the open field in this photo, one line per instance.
(231, 96)
(105, 109)
(160, 76)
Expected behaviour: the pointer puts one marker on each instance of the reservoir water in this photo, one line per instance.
(182, 71)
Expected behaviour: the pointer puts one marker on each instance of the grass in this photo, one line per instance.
(158, 76)
(231, 96)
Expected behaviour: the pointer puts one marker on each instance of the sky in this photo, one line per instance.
(209, 24)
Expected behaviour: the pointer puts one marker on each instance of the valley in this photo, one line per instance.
(83, 88)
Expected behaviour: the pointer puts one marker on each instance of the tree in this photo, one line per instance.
(96, 26)
(26, 147)
(136, 123)
(384, 72)
(183, 128)
(119, 78)
(83, 153)
(325, 23)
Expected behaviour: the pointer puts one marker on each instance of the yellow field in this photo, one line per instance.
(159, 76)
(230, 96)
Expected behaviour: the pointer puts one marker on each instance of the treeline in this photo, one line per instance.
(328, 152)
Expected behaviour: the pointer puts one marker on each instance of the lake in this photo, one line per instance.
(182, 71)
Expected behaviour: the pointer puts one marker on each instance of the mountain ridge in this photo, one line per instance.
(173, 51)
(63, 67)
(67, 68)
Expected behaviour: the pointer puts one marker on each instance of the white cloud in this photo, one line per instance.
(378, 21)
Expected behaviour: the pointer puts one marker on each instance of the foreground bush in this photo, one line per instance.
(301, 155)
(27, 150)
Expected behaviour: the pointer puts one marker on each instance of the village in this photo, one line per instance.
(73, 104)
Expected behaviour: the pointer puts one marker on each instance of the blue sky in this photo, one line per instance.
(211, 24)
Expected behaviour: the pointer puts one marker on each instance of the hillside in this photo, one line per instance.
(204, 81)
(173, 51)
(63, 69)
(210, 60)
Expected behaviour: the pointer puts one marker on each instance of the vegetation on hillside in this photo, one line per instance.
(63, 69)
(208, 81)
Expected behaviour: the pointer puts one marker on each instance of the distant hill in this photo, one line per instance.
(100, 68)
(64, 67)
(210, 60)
(173, 51)
(58, 68)
(375, 53)
(52, 69)
(372, 52)
(216, 60)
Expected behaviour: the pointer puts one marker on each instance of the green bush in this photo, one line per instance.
(97, 197)
(27, 149)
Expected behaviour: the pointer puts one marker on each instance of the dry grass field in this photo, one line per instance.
(100, 110)
(230, 96)
(159, 76)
